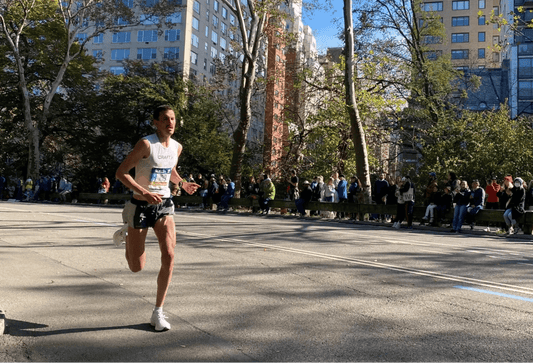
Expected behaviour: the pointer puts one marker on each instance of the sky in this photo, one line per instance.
(325, 25)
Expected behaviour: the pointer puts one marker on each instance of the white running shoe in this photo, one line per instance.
(159, 321)
(119, 237)
(511, 230)
(397, 225)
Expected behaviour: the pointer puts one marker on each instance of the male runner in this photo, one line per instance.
(154, 158)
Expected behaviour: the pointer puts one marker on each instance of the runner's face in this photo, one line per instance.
(166, 123)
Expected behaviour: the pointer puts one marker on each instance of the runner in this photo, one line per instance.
(154, 158)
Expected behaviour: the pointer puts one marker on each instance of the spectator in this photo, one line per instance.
(335, 177)
(462, 200)
(432, 182)
(405, 193)
(305, 197)
(200, 181)
(381, 187)
(342, 193)
(28, 189)
(65, 188)
(268, 193)
(353, 193)
(529, 196)
(445, 203)
(293, 186)
(391, 193)
(491, 190)
(433, 201)
(212, 193)
(317, 193)
(453, 182)
(329, 196)
(227, 196)
(477, 200)
(515, 207)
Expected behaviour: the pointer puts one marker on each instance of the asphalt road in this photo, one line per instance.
(260, 288)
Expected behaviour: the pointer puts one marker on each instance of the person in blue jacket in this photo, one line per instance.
(342, 193)
(227, 196)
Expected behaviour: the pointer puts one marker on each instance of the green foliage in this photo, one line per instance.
(479, 145)
(104, 126)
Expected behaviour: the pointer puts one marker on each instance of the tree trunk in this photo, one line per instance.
(358, 133)
(245, 99)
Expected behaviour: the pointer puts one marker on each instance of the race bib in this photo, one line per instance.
(159, 177)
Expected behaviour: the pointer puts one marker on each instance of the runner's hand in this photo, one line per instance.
(153, 198)
(190, 188)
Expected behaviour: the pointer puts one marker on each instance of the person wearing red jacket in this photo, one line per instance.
(492, 190)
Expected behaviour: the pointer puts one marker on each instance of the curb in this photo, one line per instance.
(2, 322)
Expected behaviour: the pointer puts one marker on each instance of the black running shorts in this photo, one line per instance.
(139, 214)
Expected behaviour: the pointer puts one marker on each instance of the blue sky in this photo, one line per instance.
(325, 25)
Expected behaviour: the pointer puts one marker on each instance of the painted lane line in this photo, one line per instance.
(355, 261)
(494, 293)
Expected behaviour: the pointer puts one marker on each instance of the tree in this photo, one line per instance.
(358, 133)
(47, 36)
(113, 119)
(478, 145)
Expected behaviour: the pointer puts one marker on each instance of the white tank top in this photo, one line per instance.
(153, 173)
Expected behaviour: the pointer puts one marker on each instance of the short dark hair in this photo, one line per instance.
(162, 108)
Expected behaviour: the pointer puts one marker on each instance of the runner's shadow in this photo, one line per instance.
(20, 328)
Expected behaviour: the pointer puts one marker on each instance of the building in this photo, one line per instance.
(518, 52)
(470, 38)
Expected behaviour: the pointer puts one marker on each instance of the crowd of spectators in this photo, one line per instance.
(513, 195)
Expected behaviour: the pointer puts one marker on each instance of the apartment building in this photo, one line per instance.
(518, 54)
(470, 39)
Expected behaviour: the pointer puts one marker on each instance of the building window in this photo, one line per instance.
(431, 39)
(496, 10)
(461, 5)
(195, 40)
(149, 19)
(174, 18)
(461, 21)
(525, 90)
(481, 4)
(172, 53)
(172, 35)
(433, 6)
(206, 31)
(460, 38)
(224, 13)
(223, 43)
(481, 53)
(215, 21)
(495, 57)
(223, 28)
(195, 23)
(495, 40)
(481, 20)
(99, 39)
(213, 52)
(147, 36)
(481, 36)
(146, 53)
(232, 19)
(81, 37)
(194, 58)
(122, 37)
(120, 54)
(214, 37)
(196, 7)
(98, 54)
(215, 6)
(117, 70)
(212, 68)
(460, 54)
